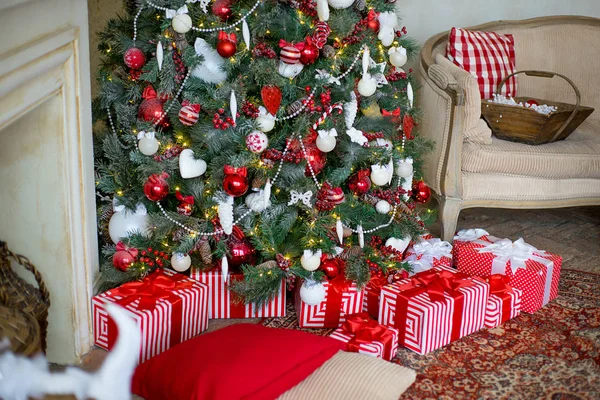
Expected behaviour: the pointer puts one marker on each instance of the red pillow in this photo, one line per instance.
(241, 361)
(489, 56)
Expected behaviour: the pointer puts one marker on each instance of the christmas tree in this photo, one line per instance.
(271, 136)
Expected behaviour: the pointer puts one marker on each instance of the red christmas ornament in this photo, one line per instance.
(156, 187)
(226, 46)
(328, 197)
(373, 21)
(222, 9)
(240, 249)
(408, 124)
(316, 158)
(186, 204)
(151, 108)
(394, 115)
(271, 97)
(398, 276)
(134, 58)
(235, 182)
(360, 183)
(421, 192)
(189, 113)
(321, 34)
(309, 51)
(289, 53)
(332, 267)
(532, 102)
(124, 257)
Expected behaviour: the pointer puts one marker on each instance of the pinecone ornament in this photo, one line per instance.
(328, 51)
(259, 182)
(360, 4)
(295, 107)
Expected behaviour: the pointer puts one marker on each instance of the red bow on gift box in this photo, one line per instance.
(366, 330)
(499, 287)
(227, 36)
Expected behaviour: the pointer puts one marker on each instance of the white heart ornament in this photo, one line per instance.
(398, 244)
(189, 167)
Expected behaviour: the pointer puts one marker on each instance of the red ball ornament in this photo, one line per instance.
(156, 187)
(189, 113)
(421, 192)
(309, 52)
(124, 257)
(373, 25)
(363, 185)
(289, 54)
(226, 46)
(316, 158)
(360, 183)
(235, 182)
(222, 9)
(151, 108)
(332, 267)
(241, 250)
(134, 58)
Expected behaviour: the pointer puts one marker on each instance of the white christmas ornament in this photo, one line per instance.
(404, 167)
(147, 144)
(409, 94)
(181, 21)
(326, 140)
(384, 144)
(388, 23)
(256, 201)
(211, 69)
(181, 262)
(398, 57)
(311, 260)
(350, 110)
(305, 197)
(226, 215)
(189, 167)
(361, 236)
(257, 142)
(290, 70)
(159, 54)
(340, 4)
(233, 106)
(398, 244)
(124, 222)
(265, 122)
(339, 229)
(246, 34)
(323, 10)
(225, 268)
(357, 136)
(380, 174)
(383, 207)
(367, 86)
(312, 293)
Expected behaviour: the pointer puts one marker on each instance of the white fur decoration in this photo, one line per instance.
(159, 54)
(388, 23)
(22, 378)
(226, 215)
(256, 201)
(350, 110)
(211, 69)
(289, 70)
(233, 106)
(246, 34)
(323, 10)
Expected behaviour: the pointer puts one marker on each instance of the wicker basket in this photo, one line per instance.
(21, 295)
(21, 329)
(524, 125)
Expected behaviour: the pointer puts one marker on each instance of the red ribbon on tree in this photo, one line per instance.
(231, 170)
(227, 36)
(435, 284)
(499, 287)
(184, 199)
(149, 93)
(155, 287)
(283, 43)
(366, 330)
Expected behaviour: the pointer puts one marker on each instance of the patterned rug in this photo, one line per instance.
(553, 354)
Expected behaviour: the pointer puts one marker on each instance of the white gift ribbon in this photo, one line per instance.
(325, 133)
(469, 235)
(425, 252)
(170, 14)
(144, 134)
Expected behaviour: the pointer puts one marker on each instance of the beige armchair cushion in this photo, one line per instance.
(475, 129)
(576, 157)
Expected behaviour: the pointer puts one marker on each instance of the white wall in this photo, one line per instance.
(425, 18)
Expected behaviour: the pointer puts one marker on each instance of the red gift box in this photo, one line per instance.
(504, 302)
(222, 303)
(168, 307)
(372, 294)
(536, 273)
(342, 298)
(434, 308)
(429, 253)
(364, 335)
(470, 235)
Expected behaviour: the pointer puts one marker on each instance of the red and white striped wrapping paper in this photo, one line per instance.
(429, 324)
(496, 311)
(375, 348)
(372, 294)
(537, 277)
(221, 302)
(159, 326)
(325, 314)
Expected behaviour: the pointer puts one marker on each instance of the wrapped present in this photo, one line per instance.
(535, 272)
(364, 335)
(168, 307)
(342, 298)
(470, 235)
(434, 308)
(504, 302)
(222, 303)
(372, 294)
(429, 253)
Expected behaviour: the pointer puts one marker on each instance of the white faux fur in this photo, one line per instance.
(211, 69)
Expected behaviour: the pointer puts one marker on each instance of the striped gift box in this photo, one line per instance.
(500, 310)
(170, 318)
(324, 315)
(429, 325)
(222, 303)
(375, 348)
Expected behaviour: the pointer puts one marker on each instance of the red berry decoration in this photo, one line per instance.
(271, 97)
(226, 46)
(332, 267)
(222, 9)
(235, 182)
(421, 192)
(156, 188)
(134, 58)
(328, 197)
(124, 257)
(189, 113)
(309, 51)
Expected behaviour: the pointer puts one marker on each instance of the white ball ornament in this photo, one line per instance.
(340, 4)
(367, 86)
(404, 168)
(257, 142)
(379, 175)
(383, 207)
(181, 23)
(312, 293)
(148, 146)
(326, 141)
(125, 222)
(398, 57)
(181, 262)
(310, 261)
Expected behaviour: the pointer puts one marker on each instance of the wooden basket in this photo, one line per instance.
(524, 125)
(21, 329)
(21, 295)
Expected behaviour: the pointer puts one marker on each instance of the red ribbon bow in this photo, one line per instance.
(227, 36)
(131, 250)
(231, 170)
(283, 43)
(184, 199)
(149, 93)
(365, 331)
(393, 113)
(372, 15)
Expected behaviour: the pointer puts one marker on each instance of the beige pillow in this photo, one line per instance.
(354, 376)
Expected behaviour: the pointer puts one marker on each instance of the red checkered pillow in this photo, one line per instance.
(488, 56)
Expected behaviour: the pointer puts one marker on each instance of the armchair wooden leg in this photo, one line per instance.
(449, 210)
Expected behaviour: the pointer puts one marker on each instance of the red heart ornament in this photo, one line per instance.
(271, 97)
